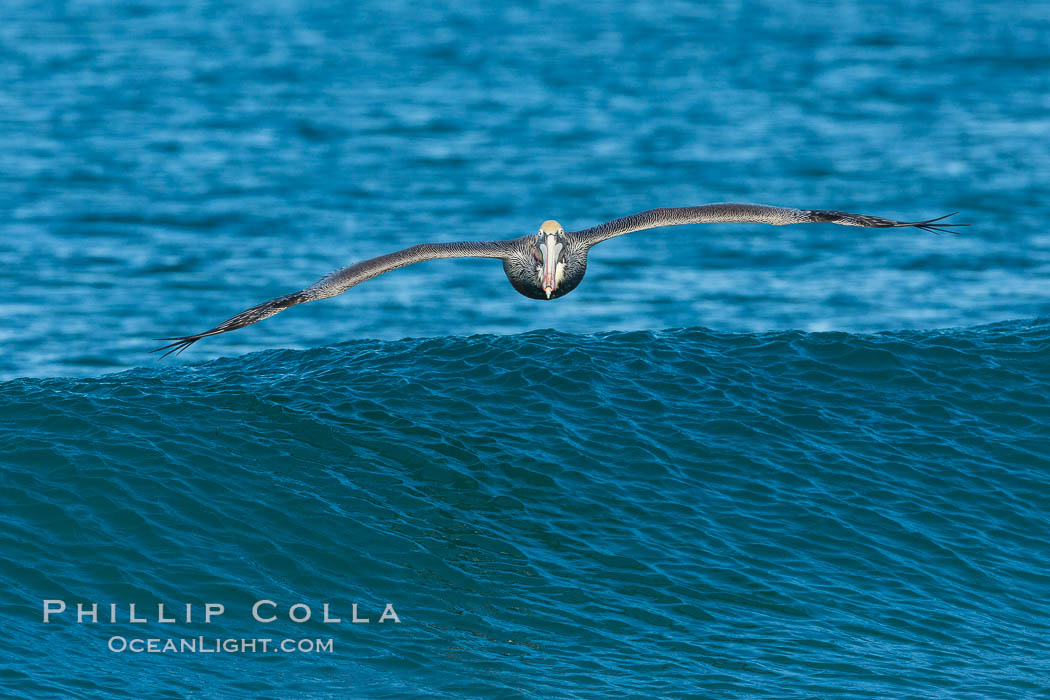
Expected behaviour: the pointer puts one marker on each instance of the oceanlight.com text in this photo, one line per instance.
(218, 645)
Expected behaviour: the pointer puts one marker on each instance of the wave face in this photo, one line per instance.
(549, 513)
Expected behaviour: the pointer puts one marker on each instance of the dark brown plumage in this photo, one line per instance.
(551, 263)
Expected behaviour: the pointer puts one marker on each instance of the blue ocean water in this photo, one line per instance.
(739, 460)
(650, 513)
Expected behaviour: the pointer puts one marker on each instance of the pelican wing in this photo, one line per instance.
(341, 280)
(728, 212)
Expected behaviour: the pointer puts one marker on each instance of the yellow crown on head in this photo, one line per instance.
(550, 226)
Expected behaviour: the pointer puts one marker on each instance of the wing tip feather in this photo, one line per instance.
(180, 344)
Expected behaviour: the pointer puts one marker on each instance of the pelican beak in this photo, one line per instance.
(551, 249)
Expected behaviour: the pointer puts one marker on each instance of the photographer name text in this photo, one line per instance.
(264, 611)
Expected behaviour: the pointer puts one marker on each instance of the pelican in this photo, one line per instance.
(550, 263)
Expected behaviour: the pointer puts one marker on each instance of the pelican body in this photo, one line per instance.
(552, 262)
(548, 267)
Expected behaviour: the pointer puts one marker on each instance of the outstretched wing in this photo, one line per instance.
(342, 280)
(728, 212)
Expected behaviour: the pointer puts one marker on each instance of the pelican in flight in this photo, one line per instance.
(550, 263)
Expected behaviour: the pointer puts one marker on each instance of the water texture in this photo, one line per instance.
(165, 166)
(739, 460)
(787, 513)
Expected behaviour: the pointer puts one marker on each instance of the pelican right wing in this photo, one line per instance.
(341, 280)
(732, 212)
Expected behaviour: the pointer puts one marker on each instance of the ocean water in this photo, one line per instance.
(648, 513)
(739, 460)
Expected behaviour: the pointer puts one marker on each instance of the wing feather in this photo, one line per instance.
(731, 212)
(343, 279)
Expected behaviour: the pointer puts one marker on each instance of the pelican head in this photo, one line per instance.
(550, 266)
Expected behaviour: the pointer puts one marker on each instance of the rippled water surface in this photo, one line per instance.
(738, 460)
(635, 513)
(166, 167)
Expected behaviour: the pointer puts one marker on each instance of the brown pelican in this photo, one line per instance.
(550, 263)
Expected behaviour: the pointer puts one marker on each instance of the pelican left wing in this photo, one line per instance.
(734, 212)
(341, 280)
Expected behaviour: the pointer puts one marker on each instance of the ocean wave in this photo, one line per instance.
(625, 512)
